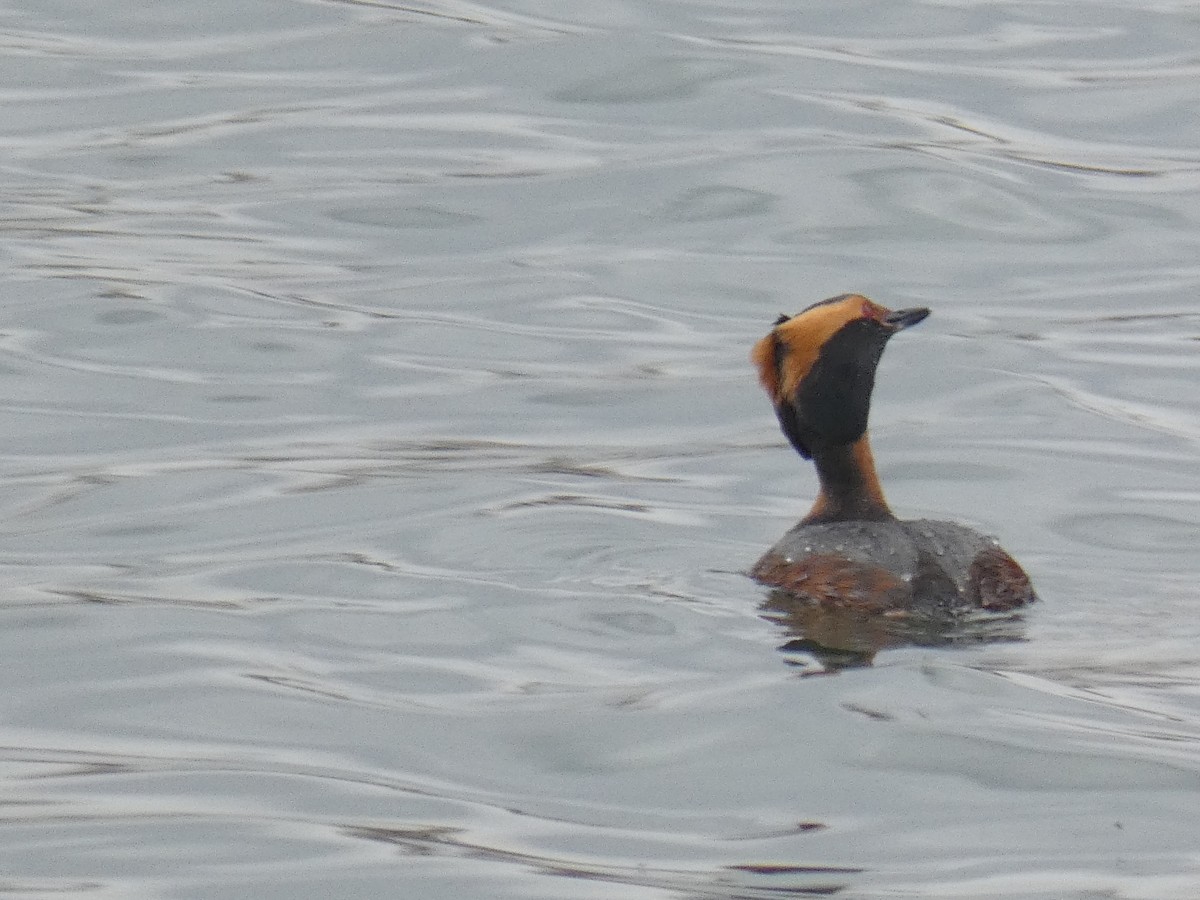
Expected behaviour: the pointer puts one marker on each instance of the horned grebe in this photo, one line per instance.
(850, 551)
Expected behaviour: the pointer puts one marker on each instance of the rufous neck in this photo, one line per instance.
(850, 489)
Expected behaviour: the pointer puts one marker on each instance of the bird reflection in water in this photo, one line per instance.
(837, 637)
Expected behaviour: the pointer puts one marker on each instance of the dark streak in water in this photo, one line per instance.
(442, 841)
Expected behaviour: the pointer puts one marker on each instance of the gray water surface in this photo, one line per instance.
(382, 460)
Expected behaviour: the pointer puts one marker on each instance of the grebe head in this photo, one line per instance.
(819, 367)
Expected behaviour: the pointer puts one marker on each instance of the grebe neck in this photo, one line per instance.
(850, 489)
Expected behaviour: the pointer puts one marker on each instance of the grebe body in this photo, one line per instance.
(850, 551)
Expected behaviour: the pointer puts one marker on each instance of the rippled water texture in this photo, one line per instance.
(382, 461)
